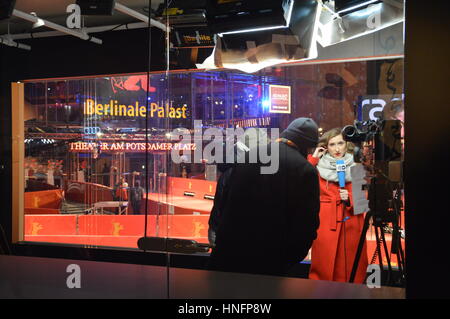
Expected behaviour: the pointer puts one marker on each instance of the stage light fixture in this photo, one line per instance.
(272, 32)
(357, 19)
(238, 16)
(38, 23)
(282, 26)
(187, 19)
(96, 7)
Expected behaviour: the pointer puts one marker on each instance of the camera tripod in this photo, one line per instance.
(380, 221)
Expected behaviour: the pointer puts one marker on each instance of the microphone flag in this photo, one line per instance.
(340, 169)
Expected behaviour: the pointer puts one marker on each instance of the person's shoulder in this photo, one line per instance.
(294, 154)
(300, 162)
(309, 168)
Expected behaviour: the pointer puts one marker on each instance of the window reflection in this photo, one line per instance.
(98, 150)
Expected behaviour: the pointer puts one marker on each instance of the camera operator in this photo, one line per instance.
(337, 240)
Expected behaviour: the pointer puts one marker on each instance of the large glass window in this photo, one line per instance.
(94, 145)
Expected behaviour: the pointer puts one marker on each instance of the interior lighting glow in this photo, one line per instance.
(357, 6)
(288, 20)
(368, 11)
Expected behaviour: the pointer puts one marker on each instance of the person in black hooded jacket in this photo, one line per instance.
(255, 136)
(269, 221)
(215, 216)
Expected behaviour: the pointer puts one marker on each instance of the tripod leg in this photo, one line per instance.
(397, 247)
(401, 264)
(378, 249)
(400, 268)
(386, 251)
(360, 246)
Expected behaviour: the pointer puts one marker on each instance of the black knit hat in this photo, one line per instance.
(303, 132)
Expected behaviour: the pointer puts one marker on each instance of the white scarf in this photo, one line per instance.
(327, 167)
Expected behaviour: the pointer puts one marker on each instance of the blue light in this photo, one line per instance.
(265, 104)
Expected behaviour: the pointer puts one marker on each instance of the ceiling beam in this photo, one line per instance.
(79, 34)
(46, 34)
(121, 8)
(10, 42)
(84, 35)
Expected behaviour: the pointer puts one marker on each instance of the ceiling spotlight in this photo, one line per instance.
(38, 23)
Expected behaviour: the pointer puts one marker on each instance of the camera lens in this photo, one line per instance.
(349, 131)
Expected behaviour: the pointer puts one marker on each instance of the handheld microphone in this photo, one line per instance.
(340, 169)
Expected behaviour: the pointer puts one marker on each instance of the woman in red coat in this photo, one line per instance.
(334, 250)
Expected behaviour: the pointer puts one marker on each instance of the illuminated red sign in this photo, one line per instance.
(280, 99)
(131, 83)
(86, 147)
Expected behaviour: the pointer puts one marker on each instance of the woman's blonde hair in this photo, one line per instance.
(327, 136)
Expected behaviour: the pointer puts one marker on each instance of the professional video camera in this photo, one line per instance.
(381, 138)
(378, 147)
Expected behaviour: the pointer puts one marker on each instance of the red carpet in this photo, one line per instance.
(125, 230)
(113, 230)
(180, 216)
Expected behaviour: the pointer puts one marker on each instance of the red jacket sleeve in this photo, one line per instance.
(313, 160)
